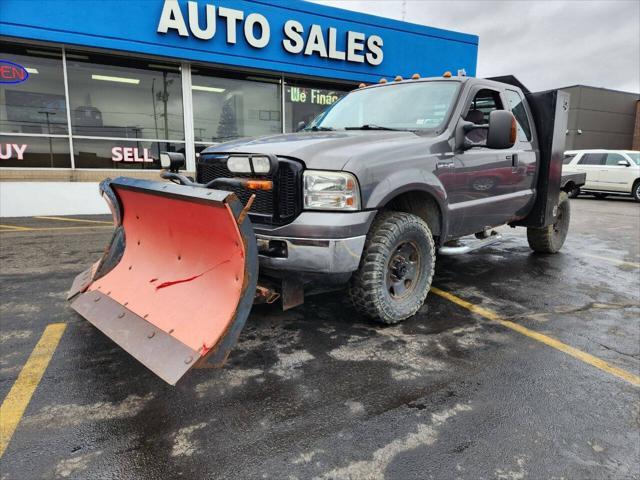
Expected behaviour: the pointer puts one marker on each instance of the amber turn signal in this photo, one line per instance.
(259, 184)
(415, 76)
(447, 75)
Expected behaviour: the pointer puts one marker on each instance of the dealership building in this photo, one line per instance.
(93, 89)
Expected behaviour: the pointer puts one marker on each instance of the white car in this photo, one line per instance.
(608, 171)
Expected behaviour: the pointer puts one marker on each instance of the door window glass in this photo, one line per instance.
(614, 158)
(593, 159)
(518, 110)
(484, 102)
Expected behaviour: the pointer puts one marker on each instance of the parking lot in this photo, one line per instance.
(518, 366)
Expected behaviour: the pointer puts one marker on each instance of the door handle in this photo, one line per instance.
(445, 165)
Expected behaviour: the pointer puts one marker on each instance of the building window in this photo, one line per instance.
(225, 108)
(37, 105)
(123, 98)
(121, 154)
(304, 102)
(34, 151)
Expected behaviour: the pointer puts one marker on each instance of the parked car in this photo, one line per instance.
(609, 172)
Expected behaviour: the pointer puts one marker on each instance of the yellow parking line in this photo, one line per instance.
(47, 229)
(65, 219)
(16, 402)
(613, 260)
(551, 342)
(15, 227)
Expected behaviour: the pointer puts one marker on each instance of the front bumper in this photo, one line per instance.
(315, 242)
(341, 255)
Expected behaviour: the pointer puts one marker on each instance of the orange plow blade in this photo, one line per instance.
(178, 279)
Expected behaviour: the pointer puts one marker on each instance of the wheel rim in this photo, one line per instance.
(483, 184)
(638, 191)
(559, 223)
(403, 270)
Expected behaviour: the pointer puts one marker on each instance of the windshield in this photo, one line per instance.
(635, 156)
(405, 106)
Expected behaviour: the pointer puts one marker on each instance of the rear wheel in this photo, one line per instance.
(551, 238)
(396, 268)
(574, 192)
(600, 196)
(635, 191)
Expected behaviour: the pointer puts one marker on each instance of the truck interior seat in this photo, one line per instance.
(475, 116)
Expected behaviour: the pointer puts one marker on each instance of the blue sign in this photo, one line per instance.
(12, 72)
(289, 37)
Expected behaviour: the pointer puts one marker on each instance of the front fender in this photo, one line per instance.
(404, 181)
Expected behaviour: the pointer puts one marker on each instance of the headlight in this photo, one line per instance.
(238, 164)
(330, 191)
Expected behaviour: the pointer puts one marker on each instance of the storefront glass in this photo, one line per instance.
(34, 151)
(303, 102)
(36, 105)
(122, 98)
(121, 154)
(228, 108)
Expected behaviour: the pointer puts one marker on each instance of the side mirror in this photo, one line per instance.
(624, 163)
(301, 125)
(503, 130)
(172, 161)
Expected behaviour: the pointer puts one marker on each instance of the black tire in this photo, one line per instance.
(635, 191)
(574, 193)
(396, 268)
(550, 239)
(601, 196)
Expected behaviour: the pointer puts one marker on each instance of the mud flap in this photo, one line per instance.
(183, 280)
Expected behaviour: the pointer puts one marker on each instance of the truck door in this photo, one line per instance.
(591, 164)
(615, 177)
(487, 178)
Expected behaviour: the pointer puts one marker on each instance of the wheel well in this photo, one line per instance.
(421, 204)
(568, 187)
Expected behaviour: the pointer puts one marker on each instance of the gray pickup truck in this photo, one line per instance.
(391, 175)
(366, 196)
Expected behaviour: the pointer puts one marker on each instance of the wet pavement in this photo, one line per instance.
(318, 392)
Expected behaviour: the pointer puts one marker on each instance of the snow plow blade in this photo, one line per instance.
(177, 282)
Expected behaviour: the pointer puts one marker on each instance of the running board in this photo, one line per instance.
(470, 247)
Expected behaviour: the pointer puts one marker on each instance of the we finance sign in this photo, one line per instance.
(207, 21)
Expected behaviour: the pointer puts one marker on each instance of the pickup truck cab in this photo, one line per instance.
(393, 173)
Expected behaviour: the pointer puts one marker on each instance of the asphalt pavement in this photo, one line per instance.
(523, 366)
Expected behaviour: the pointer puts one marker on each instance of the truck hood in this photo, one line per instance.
(322, 150)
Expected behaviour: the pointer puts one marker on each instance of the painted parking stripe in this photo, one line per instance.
(80, 220)
(14, 229)
(613, 260)
(16, 401)
(549, 341)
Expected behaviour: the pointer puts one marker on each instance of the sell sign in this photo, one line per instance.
(130, 154)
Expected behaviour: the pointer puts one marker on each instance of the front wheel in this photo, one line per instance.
(551, 238)
(636, 191)
(396, 268)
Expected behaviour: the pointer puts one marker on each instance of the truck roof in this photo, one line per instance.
(498, 82)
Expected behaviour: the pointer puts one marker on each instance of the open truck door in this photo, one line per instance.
(177, 282)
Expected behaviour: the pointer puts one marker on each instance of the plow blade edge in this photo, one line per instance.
(177, 282)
